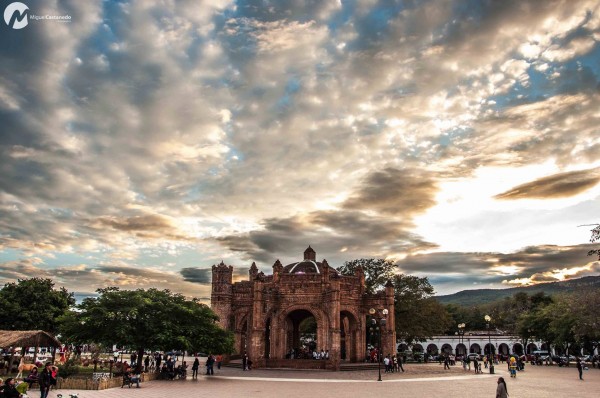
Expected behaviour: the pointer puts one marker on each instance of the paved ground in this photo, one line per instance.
(423, 380)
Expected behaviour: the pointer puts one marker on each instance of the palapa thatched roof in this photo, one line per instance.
(27, 338)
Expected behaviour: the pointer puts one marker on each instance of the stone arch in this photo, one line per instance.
(417, 348)
(432, 349)
(290, 319)
(503, 349)
(517, 349)
(531, 347)
(475, 348)
(350, 336)
(240, 329)
(447, 349)
(461, 349)
(402, 347)
(489, 349)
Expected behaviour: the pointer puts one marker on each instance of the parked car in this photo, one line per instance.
(472, 356)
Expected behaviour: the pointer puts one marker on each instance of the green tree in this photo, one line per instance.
(418, 314)
(31, 304)
(145, 320)
(377, 272)
(587, 319)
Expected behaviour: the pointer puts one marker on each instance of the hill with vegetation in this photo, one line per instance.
(484, 296)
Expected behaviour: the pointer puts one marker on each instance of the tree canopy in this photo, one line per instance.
(146, 320)
(418, 315)
(377, 272)
(30, 304)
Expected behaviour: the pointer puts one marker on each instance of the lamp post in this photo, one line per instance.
(488, 319)
(378, 320)
(461, 335)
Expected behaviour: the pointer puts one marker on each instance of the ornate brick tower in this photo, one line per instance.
(221, 296)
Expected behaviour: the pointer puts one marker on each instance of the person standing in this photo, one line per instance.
(195, 367)
(446, 362)
(46, 380)
(219, 360)
(501, 390)
(146, 363)
(209, 364)
(245, 362)
(580, 368)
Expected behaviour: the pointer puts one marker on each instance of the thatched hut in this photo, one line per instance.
(27, 338)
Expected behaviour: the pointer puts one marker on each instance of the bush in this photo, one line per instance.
(69, 368)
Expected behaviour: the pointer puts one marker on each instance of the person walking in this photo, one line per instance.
(195, 367)
(400, 362)
(501, 390)
(580, 368)
(446, 362)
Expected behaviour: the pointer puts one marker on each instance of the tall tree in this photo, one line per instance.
(31, 304)
(377, 272)
(146, 320)
(418, 314)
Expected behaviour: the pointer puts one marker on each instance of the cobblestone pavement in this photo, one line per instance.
(425, 380)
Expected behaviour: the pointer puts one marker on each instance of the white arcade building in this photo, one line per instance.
(474, 342)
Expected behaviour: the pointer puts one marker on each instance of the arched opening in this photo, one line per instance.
(432, 349)
(268, 339)
(301, 333)
(243, 337)
(447, 349)
(348, 337)
(531, 348)
(518, 349)
(489, 349)
(461, 349)
(503, 349)
(475, 348)
(402, 347)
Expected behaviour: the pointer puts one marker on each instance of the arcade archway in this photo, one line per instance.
(301, 333)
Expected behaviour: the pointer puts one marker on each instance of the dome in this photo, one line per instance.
(303, 267)
(308, 265)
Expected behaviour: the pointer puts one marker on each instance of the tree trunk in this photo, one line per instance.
(140, 360)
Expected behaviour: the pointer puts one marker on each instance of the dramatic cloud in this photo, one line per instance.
(168, 136)
(558, 185)
(493, 270)
(196, 275)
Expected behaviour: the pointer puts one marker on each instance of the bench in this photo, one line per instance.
(129, 380)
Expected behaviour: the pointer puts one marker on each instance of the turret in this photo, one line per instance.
(310, 254)
(220, 299)
(253, 272)
(277, 270)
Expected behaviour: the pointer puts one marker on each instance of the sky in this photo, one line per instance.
(141, 142)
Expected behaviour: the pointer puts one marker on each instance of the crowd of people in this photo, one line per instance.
(11, 388)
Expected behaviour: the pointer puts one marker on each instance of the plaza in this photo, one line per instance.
(419, 380)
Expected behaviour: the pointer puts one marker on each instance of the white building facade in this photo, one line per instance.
(474, 343)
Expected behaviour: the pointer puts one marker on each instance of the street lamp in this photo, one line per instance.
(377, 323)
(461, 335)
(488, 319)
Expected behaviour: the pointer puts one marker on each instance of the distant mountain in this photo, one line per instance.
(484, 296)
